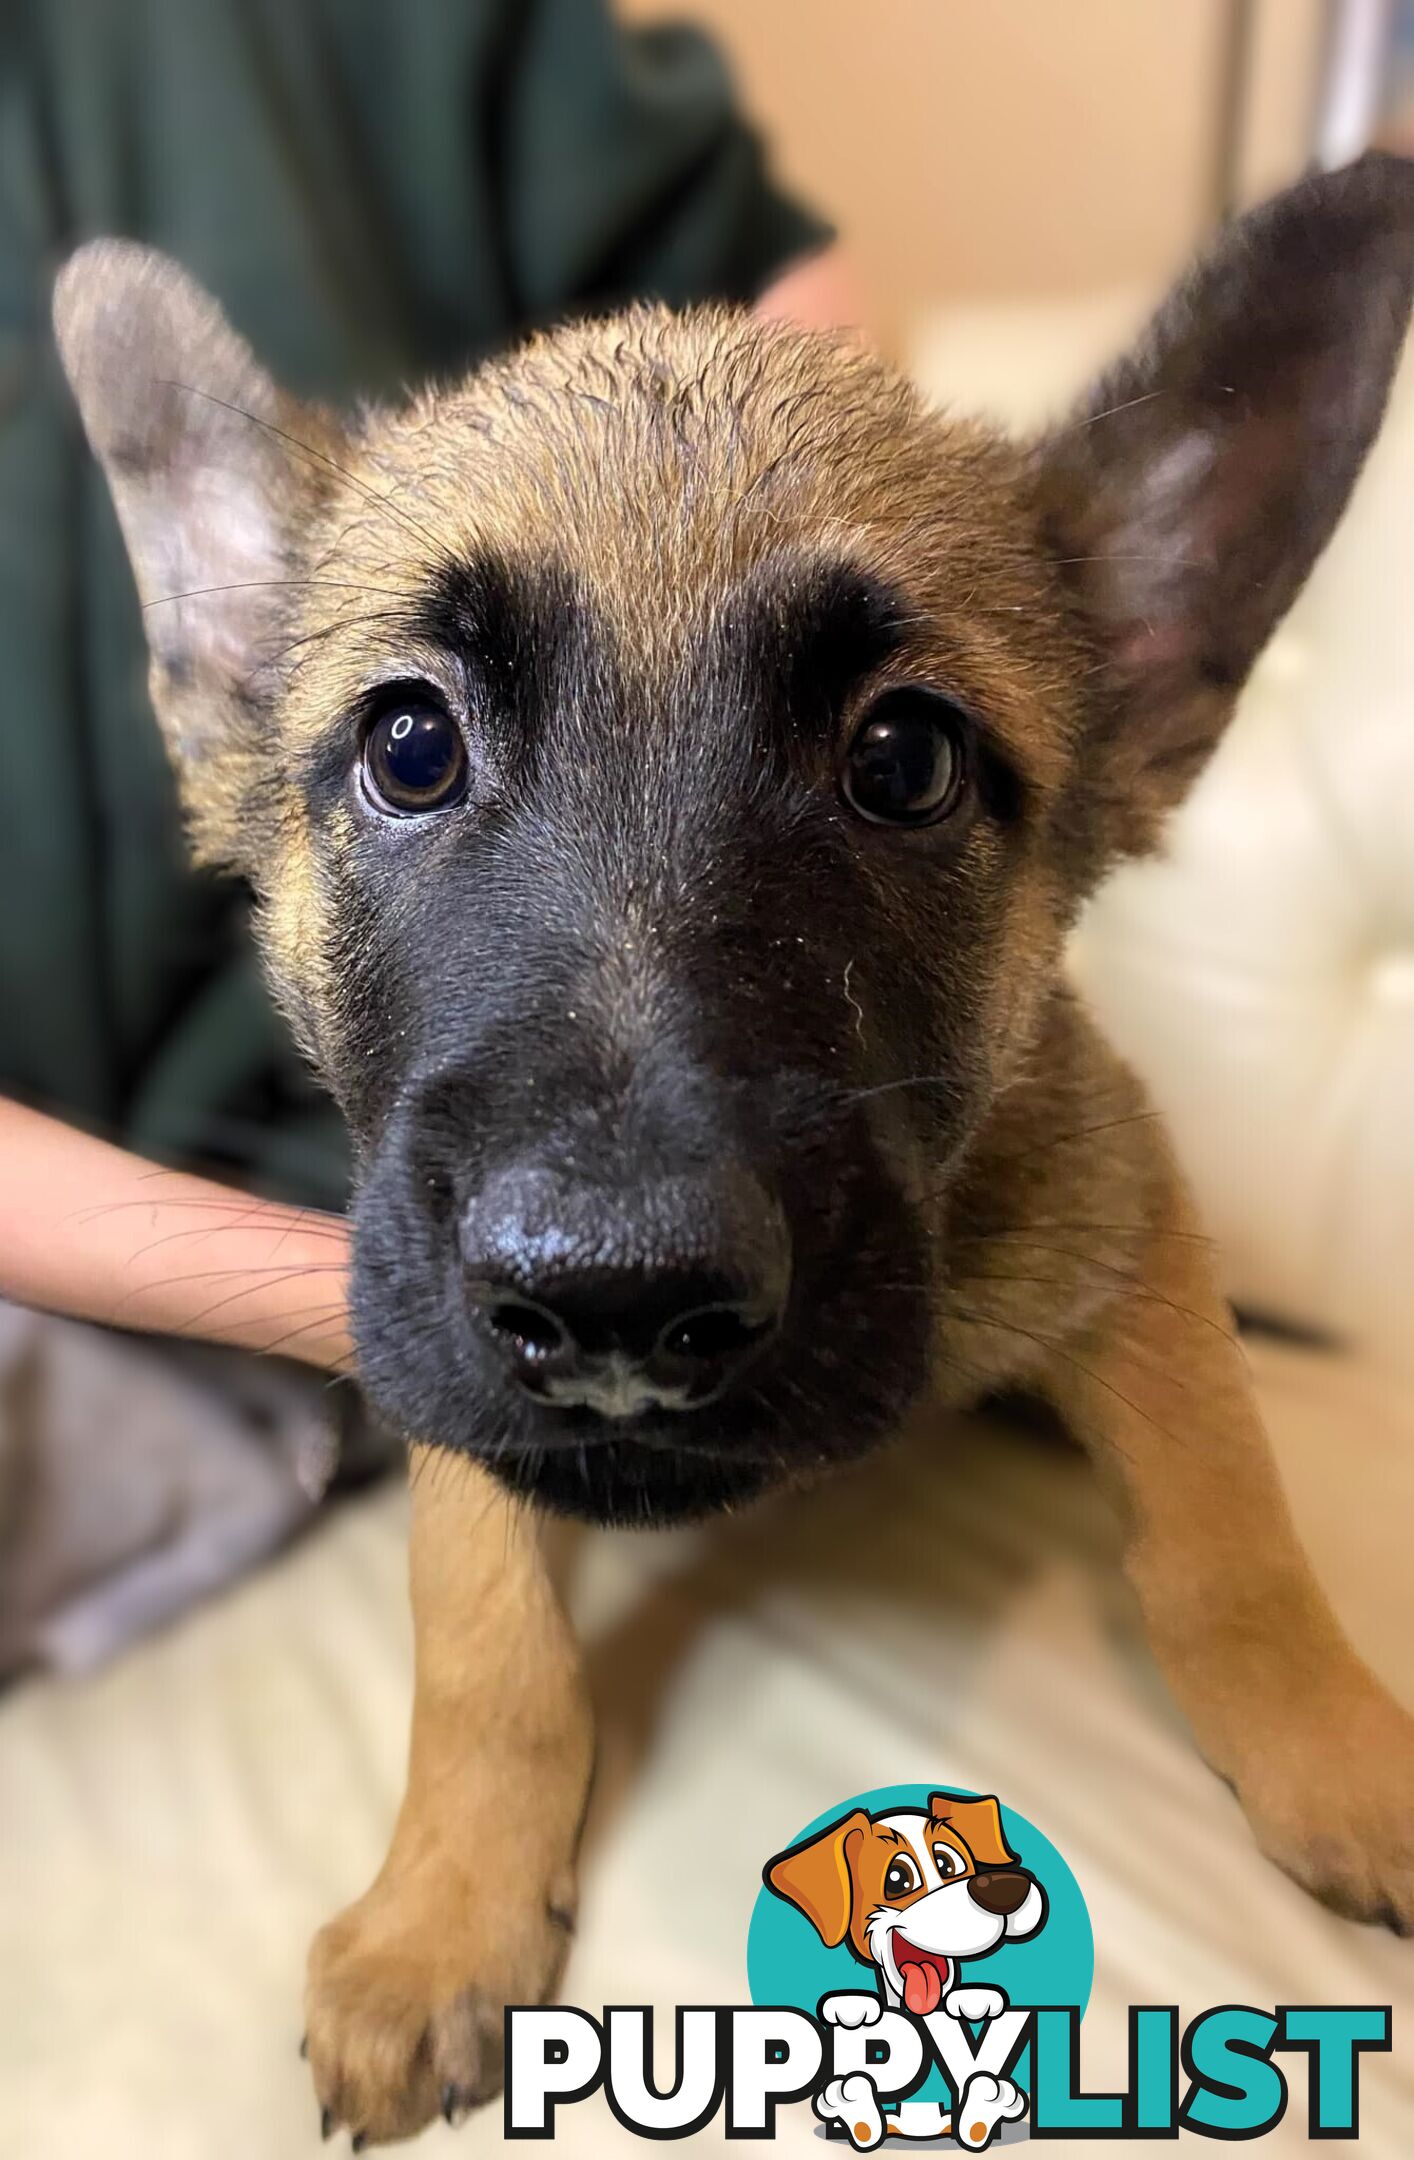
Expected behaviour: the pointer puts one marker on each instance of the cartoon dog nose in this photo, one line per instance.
(1002, 1892)
(621, 1301)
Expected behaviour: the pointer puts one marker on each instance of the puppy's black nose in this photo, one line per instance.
(1001, 1892)
(622, 1301)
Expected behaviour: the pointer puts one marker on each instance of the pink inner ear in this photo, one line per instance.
(1156, 658)
(1152, 648)
(1201, 545)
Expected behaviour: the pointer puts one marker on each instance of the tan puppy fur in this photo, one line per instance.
(474, 1905)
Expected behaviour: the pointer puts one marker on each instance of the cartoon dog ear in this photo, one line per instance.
(978, 1823)
(212, 471)
(815, 1877)
(1189, 496)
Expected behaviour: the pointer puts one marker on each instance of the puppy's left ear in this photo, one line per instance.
(1187, 500)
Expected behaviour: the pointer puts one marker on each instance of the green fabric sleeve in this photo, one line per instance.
(630, 172)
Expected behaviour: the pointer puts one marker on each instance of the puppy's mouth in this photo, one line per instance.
(923, 1974)
(668, 1467)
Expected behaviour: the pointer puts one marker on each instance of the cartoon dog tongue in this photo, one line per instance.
(922, 1975)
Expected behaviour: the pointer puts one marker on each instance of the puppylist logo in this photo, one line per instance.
(919, 1962)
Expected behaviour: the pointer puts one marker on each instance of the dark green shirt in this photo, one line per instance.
(376, 190)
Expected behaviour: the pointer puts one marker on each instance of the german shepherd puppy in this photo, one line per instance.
(668, 764)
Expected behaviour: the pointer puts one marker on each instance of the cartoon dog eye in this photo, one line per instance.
(950, 1861)
(901, 1878)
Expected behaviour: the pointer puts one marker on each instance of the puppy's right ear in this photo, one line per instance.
(815, 1877)
(212, 472)
(977, 1820)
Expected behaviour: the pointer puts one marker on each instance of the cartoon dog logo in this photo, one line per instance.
(915, 1892)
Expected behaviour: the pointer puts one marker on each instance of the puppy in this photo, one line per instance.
(914, 1892)
(668, 765)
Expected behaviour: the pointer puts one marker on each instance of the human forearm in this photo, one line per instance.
(87, 1229)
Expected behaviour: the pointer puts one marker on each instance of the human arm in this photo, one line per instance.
(818, 291)
(91, 1230)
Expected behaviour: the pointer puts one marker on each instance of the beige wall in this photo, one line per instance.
(973, 147)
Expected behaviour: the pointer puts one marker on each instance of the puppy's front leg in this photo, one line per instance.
(1321, 1756)
(473, 1906)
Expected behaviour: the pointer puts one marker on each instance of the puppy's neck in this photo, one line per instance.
(1061, 1198)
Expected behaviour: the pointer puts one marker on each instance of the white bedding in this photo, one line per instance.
(171, 1831)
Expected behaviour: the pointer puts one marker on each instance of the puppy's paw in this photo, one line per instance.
(985, 2103)
(854, 2103)
(1330, 1797)
(975, 2003)
(851, 2011)
(406, 1995)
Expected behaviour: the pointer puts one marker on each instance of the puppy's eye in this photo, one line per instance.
(907, 763)
(949, 1862)
(414, 758)
(902, 1877)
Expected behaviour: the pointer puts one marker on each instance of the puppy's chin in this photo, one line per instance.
(632, 1481)
(652, 1472)
(649, 1471)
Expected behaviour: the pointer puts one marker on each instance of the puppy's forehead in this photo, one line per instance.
(664, 461)
(911, 1828)
(689, 441)
(920, 1832)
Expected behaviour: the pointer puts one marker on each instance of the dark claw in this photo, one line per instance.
(359, 2140)
(326, 2123)
(304, 2047)
(449, 2104)
(561, 1917)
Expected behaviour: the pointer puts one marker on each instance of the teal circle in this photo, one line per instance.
(786, 1962)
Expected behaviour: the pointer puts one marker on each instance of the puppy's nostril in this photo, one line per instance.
(533, 1334)
(714, 1333)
